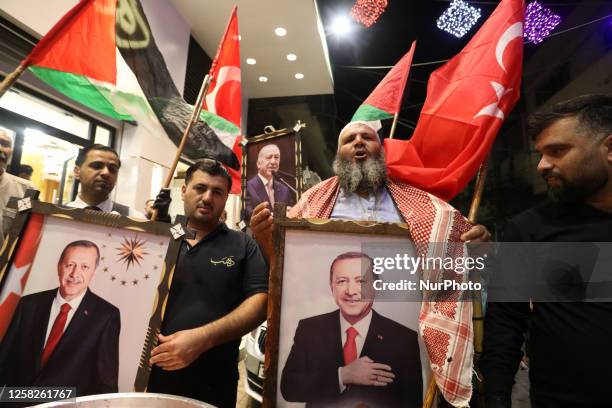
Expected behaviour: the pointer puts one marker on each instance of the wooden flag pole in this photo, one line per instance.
(477, 317)
(11, 78)
(478, 189)
(393, 125)
(195, 116)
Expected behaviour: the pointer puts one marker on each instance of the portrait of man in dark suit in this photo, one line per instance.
(353, 356)
(66, 336)
(267, 184)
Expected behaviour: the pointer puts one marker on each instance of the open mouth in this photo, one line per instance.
(360, 155)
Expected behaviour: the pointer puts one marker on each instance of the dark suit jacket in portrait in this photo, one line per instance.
(256, 193)
(311, 372)
(86, 356)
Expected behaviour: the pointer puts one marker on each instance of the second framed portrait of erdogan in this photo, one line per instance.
(343, 326)
(272, 172)
(82, 297)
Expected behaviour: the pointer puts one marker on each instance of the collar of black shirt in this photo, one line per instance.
(220, 228)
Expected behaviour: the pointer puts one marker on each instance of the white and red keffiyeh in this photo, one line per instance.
(446, 326)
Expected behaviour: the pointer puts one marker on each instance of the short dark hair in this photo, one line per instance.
(594, 113)
(350, 255)
(96, 146)
(210, 166)
(26, 168)
(84, 244)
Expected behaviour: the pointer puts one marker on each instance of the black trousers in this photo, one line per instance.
(216, 388)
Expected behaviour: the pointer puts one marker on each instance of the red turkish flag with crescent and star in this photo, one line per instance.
(223, 97)
(467, 101)
(20, 270)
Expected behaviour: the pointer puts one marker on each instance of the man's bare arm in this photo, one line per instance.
(180, 349)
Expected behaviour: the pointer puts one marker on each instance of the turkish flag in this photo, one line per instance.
(467, 101)
(19, 271)
(223, 97)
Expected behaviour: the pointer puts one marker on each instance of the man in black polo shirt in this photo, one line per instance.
(568, 342)
(218, 294)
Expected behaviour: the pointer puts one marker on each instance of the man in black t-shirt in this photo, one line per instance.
(567, 341)
(218, 294)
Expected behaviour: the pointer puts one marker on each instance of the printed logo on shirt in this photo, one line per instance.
(228, 261)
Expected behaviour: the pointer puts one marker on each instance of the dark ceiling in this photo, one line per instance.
(386, 41)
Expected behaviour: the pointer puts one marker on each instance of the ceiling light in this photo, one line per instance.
(280, 31)
(299, 75)
(263, 79)
(341, 25)
(291, 57)
(251, 61)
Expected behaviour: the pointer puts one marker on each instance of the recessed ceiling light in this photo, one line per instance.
(251, 61)
(263, 79)
(291, 57)
(299, 75)
(280, 31)
(341, 25)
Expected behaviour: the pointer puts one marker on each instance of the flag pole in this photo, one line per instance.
(404, 83)
(11, 78)
(477, 315)
(477, 318)
(195, 115)
(393, 125)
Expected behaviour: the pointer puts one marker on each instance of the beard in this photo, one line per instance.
(366, 176)
(575, 191)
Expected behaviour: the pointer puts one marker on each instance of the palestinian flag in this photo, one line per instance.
(102, 54)
(386, 99)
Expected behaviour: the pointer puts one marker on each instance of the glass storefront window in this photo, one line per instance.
(103, 136)
(31, 107)
(53, 162)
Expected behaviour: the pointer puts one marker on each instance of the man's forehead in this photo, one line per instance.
(358, 128)
(270, 149)
(101, 155)
(202, 177)
(561, 131)
(80, 250)
(5, 136)
(351, 265)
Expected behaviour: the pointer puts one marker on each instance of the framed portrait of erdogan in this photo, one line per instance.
(82, 295)
(272, 169)
(343, 327)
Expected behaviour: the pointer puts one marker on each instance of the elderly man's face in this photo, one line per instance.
(348, 279)
(574, 165)
(360, 161)
(268, 160)
(75, 271)
(358, 143)
(6, 149)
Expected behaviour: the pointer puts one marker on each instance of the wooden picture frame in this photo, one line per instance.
(130, 281)
(315, 239)
(289, 175)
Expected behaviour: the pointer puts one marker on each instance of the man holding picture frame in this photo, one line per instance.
(218, 294)
(361, 190)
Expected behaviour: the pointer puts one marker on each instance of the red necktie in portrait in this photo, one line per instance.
(350, 346)
(56, 333)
